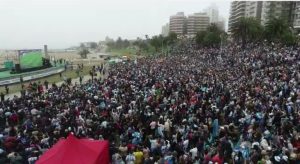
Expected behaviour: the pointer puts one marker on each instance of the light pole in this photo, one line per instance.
(221, 47)
(162, 46)
(221, 43)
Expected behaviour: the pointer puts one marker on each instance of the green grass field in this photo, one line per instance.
(132, 52)
(51, 79)
(123, 52)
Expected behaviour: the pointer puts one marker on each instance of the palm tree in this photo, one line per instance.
(247, 29)
(276, 28)
(214, 28)
(83, 53)
(199, 37)
(240, 29)
(155, 42)
(172, 37)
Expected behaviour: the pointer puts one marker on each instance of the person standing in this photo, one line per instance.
(80, 80)
(69, 81)
(103, 71)
(34, 87)
(130, 158)
(23, 92)
(7, 89)
(2, 96)
(77, 72)
(22, 86)
(92, 74)
(138, 154)
(46, 83)
(21, 79)
(40, 88)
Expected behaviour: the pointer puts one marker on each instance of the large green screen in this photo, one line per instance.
(31, 59)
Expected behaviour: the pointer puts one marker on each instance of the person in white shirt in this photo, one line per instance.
(117, 159)
(194, 152)
(130, 158)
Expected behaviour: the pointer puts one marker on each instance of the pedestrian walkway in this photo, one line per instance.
(76, 80)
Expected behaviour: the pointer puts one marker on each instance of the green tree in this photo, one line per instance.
(247, 29)
(137, 42)
(111, 45)
(210, 37)
(288, 38)
(141, 44)
(200, 37)
(93, 45)
(119, 42)
(214, 28)
(125, 43)
(83, 53)
(276, 28)
(172, 38)
(144, 46)
(156, 42)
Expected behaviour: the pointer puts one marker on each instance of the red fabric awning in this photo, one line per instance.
(76, 151)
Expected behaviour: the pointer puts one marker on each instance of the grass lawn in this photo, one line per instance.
(51, 79)
(152, 51)
(123, 52)
(132, 52)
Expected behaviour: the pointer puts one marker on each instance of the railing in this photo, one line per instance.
(31, 75)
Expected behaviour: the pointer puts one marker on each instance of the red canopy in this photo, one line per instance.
(76, 151)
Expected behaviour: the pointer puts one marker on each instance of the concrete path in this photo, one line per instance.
(76, 80)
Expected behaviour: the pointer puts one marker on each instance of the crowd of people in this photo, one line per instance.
(199, 106)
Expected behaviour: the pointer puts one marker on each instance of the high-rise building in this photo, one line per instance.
(178, 23)
(213, 13)
(296, 15)
(264, 11)
(165, 30)
(221, 23)
(241, 9)
(253, 9)
(276, 9)
(190, 25)
(197, 22)
(237, 11)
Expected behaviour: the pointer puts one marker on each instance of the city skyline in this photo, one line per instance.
(65, 23)
(264, 11)
(189, 24)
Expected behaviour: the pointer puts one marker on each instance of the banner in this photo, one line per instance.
(30, 58)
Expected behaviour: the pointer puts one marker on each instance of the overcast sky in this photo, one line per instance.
(65, 23)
